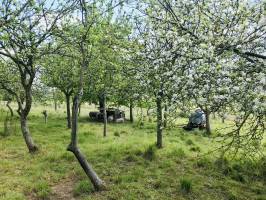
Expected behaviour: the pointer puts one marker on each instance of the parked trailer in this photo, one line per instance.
(113, 115)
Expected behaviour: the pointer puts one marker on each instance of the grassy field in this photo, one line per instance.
(126, 160)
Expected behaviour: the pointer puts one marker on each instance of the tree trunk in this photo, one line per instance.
(104, 116)
(10, 109)
(23, 113)
(131, 118)
(68, 111)
(159, 123)
(208, 126)
(148, 111)
(101, 101)
(96, 181)
(223, 119)
(26, 134)
(45, 115)
(73, 147)
(55, 100)
(165, 116)
(55, 105)
(79, 109)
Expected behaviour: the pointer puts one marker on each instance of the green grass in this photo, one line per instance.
(83, 187)
(127, 160)
(186, 185)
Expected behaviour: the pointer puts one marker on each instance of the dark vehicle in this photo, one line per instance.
(113, 115)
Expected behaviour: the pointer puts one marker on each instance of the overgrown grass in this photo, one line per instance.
(127, 160)
(186, 185)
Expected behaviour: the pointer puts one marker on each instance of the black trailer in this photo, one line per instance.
(113, 115)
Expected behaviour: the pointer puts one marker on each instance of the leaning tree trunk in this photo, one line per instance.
(159, 123)
(208, 126)
(26, 133)
(68, 111)
(73, 147)
(104, 116)
(131, 118)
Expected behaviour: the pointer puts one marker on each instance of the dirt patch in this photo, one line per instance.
(63, 190)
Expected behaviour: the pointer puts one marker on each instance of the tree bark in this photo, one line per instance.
(208, 126)
(101, 101)
(45, 115)
(55, 100)
(10, 109)
(23, 113)
(131, 118)
(55, 105)
(96, 181)
(104, 116)
(68, 110)
(79, 109)
(26, 134)
(223, 120)
(148, 111)
(159, 123)
(73, 146)
(165, 116)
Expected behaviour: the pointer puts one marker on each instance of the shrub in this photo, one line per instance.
(186, 185)
(150, 153)
(83, 187)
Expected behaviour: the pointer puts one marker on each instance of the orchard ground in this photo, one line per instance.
(126, 160)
